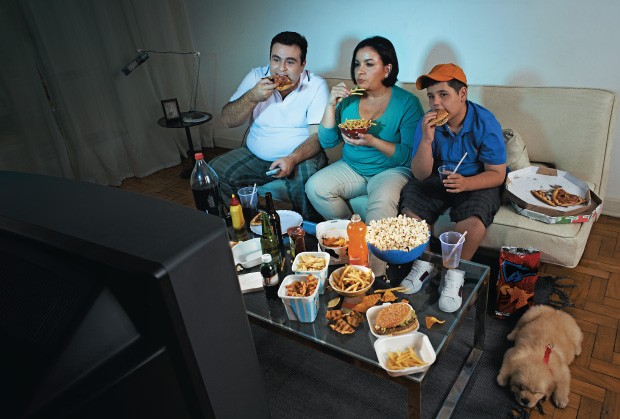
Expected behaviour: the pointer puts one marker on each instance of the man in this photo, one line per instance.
(283, 125)
(471, 134)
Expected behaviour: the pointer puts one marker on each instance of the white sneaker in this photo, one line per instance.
(421, 272)
(451, 290)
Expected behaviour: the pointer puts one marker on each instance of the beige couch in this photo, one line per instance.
(571, 128)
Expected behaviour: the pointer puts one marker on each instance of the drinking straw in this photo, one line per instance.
(459, 163)
(254, 191)
(459, 241)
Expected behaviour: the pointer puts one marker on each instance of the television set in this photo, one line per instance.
(118, 305)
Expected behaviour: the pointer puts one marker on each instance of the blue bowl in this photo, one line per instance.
(399, 257)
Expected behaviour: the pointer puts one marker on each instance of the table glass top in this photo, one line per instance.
(360, 344)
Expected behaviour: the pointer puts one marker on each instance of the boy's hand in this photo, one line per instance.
(456, 183)
(428, 126)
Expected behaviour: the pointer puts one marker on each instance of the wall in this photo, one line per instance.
(501, 42)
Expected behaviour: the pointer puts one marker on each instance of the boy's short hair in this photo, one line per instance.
(291, 38)
(386, 51)
(454, 83)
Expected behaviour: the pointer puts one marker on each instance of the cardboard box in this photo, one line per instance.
(521, 182)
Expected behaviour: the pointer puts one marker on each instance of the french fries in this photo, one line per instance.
(357, 91)
(351, 279)
(310, 263)
(356, 124)
(404, 359)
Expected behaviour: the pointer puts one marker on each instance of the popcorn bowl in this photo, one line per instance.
(399, 257)
(320, 274)
(351, 294)
(333, 228)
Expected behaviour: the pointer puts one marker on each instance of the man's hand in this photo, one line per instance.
(262, 90)
(286, 165)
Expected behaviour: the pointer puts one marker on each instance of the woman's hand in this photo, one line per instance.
(337, 93)
(367, 140)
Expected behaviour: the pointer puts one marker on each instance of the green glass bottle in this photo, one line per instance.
(269, 241)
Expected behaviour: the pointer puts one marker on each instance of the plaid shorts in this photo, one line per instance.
(428, 199)
(239, 167)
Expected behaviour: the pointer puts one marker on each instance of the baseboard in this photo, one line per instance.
(611, 206)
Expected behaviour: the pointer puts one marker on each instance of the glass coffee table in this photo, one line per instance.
(358, 348)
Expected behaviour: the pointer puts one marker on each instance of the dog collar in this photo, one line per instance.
(547, 353)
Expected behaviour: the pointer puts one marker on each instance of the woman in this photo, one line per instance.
(377, 163)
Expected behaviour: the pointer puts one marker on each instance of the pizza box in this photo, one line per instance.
(520, 183)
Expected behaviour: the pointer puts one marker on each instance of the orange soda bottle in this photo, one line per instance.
(358, 249)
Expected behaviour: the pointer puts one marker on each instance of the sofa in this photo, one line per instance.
(571, 129)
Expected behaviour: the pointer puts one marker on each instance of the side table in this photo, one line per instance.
(179, 123)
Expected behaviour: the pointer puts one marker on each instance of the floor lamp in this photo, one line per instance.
(192, 116)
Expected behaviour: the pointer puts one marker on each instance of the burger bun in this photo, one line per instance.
(442, 117)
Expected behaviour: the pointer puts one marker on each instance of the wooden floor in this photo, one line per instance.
(595, 384)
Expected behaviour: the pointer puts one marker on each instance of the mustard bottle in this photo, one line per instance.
(236, 214)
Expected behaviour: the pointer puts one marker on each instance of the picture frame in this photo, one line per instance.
(171, 109)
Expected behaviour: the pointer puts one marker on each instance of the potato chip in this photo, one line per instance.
(302, 288)
(310, 263)
(354, 319)
(334, 314)
(367, 302)
(430, 321)
(333, 303)
(388, 296)
(342, 327)
(335, 241)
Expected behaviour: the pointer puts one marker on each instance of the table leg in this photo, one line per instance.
(414, 400)
(474, 356)
(185, 174)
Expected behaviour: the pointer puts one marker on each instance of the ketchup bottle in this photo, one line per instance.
(358, 249)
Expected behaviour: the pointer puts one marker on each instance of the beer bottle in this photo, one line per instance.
(268, 241)
(274, 218)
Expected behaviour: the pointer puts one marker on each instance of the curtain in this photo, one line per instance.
(67, 110)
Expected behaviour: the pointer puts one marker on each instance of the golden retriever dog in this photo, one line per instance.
(546, 342)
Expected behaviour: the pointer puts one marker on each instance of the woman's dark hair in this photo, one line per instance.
(291, 38)
(386, 51)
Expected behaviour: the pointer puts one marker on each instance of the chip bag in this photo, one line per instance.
(518, 273)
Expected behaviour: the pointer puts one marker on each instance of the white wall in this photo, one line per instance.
(502, 42)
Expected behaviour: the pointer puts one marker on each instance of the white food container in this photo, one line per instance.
(371, 316)
(321, 275)
(421, 346)
(302, 309)
(247, 253)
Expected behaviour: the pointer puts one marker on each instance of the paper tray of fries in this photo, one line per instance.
(334, 229)
(405, 354)
(315, 263)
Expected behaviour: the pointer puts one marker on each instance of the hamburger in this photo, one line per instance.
(396, 319)
(442, 117)
(283, 82)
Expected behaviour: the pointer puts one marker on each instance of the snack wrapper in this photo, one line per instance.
(518, 273)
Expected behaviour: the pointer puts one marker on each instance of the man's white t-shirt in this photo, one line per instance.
(279, 126)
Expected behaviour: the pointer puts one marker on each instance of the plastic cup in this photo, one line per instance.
(445, 170)
(248, 197)
(451, 247)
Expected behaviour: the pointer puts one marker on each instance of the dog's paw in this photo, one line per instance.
(560, 402)
(502, 380)
(511, 335)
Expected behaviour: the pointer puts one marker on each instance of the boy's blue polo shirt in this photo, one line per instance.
(481, 137)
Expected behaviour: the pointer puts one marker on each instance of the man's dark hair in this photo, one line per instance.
(386, 51)
(291, 38)
(454, 83)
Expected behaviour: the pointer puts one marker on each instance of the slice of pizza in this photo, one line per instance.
(543, 195)
(562, 198)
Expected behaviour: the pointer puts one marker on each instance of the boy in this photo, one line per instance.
(474, 192)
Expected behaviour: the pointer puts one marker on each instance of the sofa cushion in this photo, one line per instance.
(516, 152)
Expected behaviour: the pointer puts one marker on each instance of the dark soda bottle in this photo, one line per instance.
(271, 280)
(274, 218)
(205, 187)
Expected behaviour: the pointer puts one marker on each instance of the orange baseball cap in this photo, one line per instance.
(443, 72)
